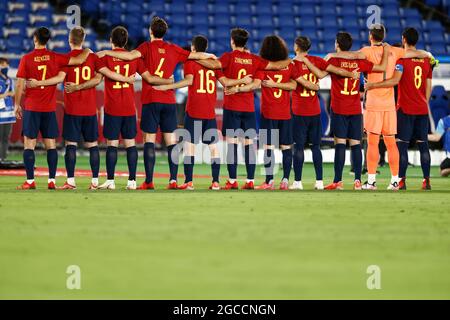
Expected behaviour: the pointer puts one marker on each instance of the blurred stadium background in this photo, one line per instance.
(320, 20)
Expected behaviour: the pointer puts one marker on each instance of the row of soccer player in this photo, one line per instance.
(240, 72)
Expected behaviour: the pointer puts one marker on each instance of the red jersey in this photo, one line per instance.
(236, 65)
(345, 98)
(160, 59)
(305, 102)
(119, 96)
(41, 64)
(82, 102)
(201, 102)
(412, 89)
(276, 103)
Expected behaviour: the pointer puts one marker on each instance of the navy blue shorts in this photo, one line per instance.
(75, 127)
(204, 130)
(116, 126)
(307, 129)
(159, 114)
(34, 122)
(412, 127)
(268, 135)
(347, 126)
(237, 123)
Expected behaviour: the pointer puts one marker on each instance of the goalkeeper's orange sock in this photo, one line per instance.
(393, 156)
(373, 156)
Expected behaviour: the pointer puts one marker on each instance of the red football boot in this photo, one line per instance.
(335, 186)
(266, 186)
(27, 186)
(172, 186)
(187, 186)
(146, 186)
(67, 186)
(214, 186)
(249, 186)
(426, 185)
(231, 186)
(51, 185)
(402, 184)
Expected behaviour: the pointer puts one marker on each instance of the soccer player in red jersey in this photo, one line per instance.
(413, 77)
(120, 109)
(380, 116)
(346, 117)
(80, 107)
(275, 107)
(159, 107)
(239, 120)
(40, 103)
(200, 119)
(307, 124)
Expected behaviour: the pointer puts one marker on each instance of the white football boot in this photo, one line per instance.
(108, 185)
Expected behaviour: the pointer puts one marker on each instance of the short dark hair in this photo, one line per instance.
(378, 31)
(200, 43)
(77, 35)
(42, 35)
(159, 27)
(411, 36)
(274, 48)
(304, 43)
(4, 60)
(119, 36)
(240, 37)
(344, 41)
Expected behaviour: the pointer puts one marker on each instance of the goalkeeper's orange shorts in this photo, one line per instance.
(381, 122)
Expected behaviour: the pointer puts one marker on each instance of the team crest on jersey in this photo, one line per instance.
(42, 58)
(161, 50)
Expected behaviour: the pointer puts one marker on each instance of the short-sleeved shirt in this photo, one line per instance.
(345, 98)
(201, 102)
(381, 99)
(443, 128)
(412, 88)
(276, 103)
(81, 102)
(160, 59)
(41, 64)
(305, 102)
(236, 65)
(119, 96)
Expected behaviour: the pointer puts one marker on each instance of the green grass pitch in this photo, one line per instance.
(224, 245)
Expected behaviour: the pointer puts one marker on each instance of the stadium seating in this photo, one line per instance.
(439, 103)
(320, 20)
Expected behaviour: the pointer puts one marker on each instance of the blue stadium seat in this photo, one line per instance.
(439, 103)
(220, 8)
(327, 12)
(307, 21)
(221, 20)
(413, 23)
(264, 21)
(330, 24)
(390, 10)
